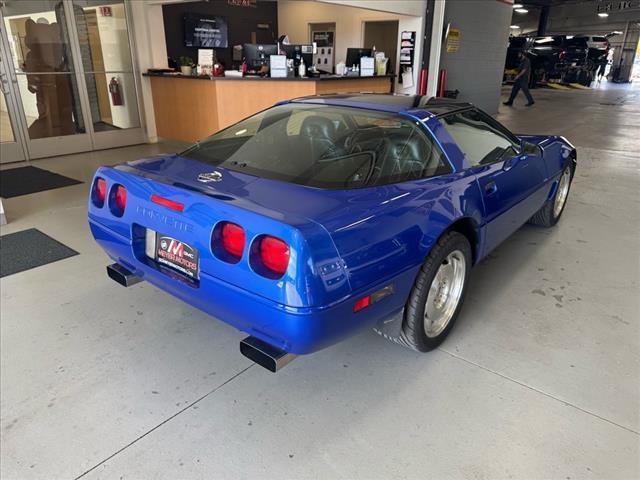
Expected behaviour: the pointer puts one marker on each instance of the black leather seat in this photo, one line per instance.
(318, 136)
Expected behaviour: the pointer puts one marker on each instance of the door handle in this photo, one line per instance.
(490, 188)
(3, 84)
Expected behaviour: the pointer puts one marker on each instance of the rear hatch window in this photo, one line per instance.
(324, 146)
(576, 42)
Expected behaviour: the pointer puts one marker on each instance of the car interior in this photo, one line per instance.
(329, 148)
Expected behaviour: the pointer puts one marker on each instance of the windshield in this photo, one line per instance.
(324, 146)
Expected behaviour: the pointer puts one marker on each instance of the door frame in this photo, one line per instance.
(10, 151)
(79, 142)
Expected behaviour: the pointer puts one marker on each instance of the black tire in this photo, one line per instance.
(546, 216)
(413, 333)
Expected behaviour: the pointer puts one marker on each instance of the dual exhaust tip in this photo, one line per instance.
(262, 353)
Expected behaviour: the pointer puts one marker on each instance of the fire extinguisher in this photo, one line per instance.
(116, 93)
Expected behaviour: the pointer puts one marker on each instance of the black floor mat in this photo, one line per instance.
(28, 249)
(25, 180)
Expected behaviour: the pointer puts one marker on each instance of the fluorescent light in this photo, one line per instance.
(514, 27)
(522, 10)
(603, 14)
(517, 5)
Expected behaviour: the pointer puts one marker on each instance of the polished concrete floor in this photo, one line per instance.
(539, 379)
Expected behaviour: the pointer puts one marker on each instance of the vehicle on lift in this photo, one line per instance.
(323, 215)
(562, 58)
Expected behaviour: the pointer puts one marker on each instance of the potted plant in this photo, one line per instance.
(186, 63)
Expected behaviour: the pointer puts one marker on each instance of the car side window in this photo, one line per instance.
(481, 139)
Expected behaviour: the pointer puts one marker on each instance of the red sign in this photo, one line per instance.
(106, 11)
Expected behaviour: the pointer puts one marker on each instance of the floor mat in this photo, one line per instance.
(28, 249)
(25, 180)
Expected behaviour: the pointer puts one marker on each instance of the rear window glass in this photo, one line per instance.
(517, 42)
(324, 146)
(576, 42)
(598, 39)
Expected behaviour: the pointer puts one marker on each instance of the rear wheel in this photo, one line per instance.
(438, 293)
(551, 211)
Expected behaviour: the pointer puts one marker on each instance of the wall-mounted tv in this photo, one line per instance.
(205, 31)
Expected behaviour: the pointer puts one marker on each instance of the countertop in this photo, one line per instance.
(285, 79)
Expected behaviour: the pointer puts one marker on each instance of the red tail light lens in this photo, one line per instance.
(233, 239)
(563, 54)
(99, 193)
(118, 200)
(121, 197)
(165, 202)
(364, 302)
(274, 254)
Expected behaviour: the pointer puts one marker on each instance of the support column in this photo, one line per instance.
(435, 47)
(542, 21)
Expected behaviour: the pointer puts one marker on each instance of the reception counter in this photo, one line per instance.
(192, 108)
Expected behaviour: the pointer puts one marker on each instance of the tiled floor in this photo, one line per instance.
(540, 377)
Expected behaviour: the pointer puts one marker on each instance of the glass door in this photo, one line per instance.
(42, 69)
(71, 66)
(104, 47)
(11, 144)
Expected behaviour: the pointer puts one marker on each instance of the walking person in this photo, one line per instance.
(522, 80)
(602, 66)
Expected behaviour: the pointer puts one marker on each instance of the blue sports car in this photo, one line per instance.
(322, 215)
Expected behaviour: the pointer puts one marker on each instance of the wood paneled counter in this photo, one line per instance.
(192, 108)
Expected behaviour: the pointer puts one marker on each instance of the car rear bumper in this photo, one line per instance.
(292, 329)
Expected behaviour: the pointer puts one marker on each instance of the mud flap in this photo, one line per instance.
(391, 328)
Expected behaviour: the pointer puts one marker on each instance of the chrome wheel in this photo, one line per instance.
(444, 294)
(563, 191)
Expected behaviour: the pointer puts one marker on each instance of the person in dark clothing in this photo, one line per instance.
(521, 81)
(602, 66)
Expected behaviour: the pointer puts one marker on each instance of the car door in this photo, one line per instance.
(509, 180)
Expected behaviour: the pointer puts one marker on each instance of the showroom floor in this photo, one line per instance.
(538, 379)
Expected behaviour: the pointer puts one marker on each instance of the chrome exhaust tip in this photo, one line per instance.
(121, 275)
(264, 354)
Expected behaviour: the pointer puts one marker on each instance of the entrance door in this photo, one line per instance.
(70, 64)
(11, 144)
(103, 46)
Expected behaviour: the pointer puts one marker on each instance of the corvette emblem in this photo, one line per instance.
(210, 177)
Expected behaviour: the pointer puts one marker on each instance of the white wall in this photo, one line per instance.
(407, 7)
(294, 17)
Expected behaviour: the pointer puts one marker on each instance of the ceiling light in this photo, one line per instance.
(517, 5)
(603, 14)
(522, 10)
(514, 27)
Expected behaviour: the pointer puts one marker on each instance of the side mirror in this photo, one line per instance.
(528, 148)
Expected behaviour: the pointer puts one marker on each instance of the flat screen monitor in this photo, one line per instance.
(205, 31)
(257, 55)
(355, 54)
(299, 52)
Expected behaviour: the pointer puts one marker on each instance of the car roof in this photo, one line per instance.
(389, 102)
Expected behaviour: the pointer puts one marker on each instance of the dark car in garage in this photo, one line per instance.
(558, 57)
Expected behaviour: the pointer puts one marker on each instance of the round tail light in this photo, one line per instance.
(274, 254)
(99, 192)
(118, 200)
(233, 239)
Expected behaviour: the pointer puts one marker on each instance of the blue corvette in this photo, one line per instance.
(322, 215)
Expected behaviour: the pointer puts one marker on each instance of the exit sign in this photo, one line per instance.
(607, 6)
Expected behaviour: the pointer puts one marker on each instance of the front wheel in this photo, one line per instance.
(438, 293)
(551, 211)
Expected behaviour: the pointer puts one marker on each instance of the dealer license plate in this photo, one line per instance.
(177, 255)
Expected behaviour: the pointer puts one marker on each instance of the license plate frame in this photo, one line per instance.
(177, 255)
